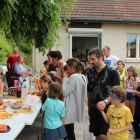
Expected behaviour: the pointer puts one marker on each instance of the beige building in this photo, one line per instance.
(95, 24)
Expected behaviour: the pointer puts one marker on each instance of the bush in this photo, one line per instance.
(7, 49)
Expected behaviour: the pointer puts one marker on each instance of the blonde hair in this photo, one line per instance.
(121, 62)
(46, 78)
(118, 91)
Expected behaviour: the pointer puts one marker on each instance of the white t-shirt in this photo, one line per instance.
(129, 87)
(111, 61)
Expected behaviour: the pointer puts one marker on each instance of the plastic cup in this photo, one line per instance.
(15, 83)
(32, 107)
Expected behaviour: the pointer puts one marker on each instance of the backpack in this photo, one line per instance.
(98, 84)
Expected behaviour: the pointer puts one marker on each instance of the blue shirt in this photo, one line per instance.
(18, 69)
(54, 110)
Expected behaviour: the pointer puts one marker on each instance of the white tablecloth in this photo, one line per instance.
(27, 119)
(16, 128)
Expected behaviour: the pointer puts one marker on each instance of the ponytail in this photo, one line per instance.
(79, 66)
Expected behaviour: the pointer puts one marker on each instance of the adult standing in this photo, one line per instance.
(122, 71)
(100, 78)
(74, 91)
(57, 60)
(52, 65)
(109, 59)
(136, 94)
(13, 59)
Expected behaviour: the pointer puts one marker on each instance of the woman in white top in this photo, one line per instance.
(74, 91)
(57, 59)
(130, 84)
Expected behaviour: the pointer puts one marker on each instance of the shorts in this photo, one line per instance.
(130, 97)
(54, 134)
(98, 126)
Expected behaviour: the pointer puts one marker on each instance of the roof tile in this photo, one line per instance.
(106, 9)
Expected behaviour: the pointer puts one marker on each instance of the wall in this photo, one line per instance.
(38, 58)
(115, 36)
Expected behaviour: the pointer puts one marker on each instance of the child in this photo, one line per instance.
(46, 64)
(54, 114)
(118, 115)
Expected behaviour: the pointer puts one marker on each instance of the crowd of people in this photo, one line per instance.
(113, 94)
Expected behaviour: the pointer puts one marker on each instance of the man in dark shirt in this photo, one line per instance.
(136, 117)
(100, 78)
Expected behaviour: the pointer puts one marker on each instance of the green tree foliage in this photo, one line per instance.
(7, 49)
(23, 20)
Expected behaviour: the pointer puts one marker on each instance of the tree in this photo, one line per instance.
(39, 19)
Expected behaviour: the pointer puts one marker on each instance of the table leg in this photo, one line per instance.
(33, 131)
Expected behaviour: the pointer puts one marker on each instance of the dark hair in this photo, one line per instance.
(54, 90)
(65, 67)
(46, 62)
(46, 78)
(56, 54)
(52, 76)
(76, 64)
(97, 52)
(119, 91)
(50, 53)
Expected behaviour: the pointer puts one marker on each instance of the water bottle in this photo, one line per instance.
(24, 90)
(32, 83)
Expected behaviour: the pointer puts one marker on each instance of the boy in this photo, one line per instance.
(118, 115)
(46, 64)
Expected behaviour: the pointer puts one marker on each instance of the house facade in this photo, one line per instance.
(100, 23)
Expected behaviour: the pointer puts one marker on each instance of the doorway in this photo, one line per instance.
(81, 46)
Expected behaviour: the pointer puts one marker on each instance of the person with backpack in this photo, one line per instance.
(100, 78)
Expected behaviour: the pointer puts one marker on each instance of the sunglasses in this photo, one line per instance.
(128, 70)
(114, 96)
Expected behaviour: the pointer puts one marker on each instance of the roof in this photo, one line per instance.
(106, 10)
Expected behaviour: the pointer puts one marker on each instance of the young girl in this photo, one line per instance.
(54, 114)
(122, 72)
(129, 85)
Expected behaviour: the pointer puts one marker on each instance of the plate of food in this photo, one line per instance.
(4, 128)
(17, 104)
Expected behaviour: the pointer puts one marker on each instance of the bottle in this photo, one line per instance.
(37, 82)
(24, 89)
(20, 80)
(32, 83)
(19, 92)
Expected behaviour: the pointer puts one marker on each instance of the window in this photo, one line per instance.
(133, 46)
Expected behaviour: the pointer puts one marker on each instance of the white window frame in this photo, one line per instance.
(137, 49)
(82, 32)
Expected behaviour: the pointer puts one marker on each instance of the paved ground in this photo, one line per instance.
(27, 134)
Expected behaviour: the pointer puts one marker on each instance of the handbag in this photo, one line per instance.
(88, 135)
(12, 77)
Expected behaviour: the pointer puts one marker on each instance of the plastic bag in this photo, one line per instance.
(17, 104)
(30, 100)
(87, 134)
